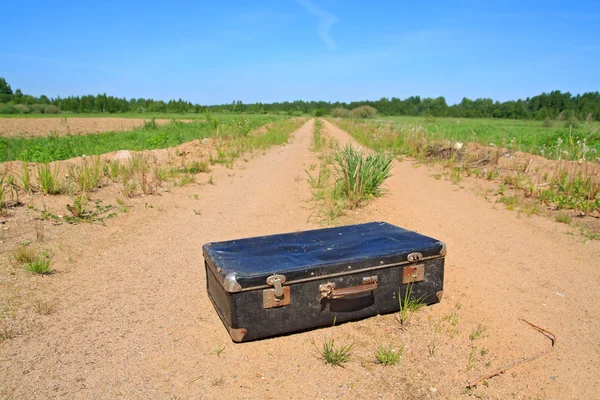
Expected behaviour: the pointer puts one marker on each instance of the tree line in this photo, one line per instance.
(553, 105)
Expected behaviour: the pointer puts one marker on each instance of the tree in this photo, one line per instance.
(5, 87)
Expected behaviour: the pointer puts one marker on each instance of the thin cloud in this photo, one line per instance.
(326, 21)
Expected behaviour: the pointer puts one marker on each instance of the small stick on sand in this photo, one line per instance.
(546, 333)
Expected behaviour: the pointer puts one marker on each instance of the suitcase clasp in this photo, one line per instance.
(279, 295)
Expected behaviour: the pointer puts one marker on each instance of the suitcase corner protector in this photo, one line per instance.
(231, 284)
(443, 250)
(237, 335)
(439, 295)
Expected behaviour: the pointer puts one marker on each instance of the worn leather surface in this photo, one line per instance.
(316, 253)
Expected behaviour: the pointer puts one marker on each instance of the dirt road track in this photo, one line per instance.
(133, 319)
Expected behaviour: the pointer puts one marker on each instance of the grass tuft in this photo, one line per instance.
(388, 356)
(40, 265)
(48, 179)
(43, 307)
(334, 355)
(360, 176)
(408, 305)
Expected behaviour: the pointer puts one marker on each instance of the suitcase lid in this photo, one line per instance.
(245, 264)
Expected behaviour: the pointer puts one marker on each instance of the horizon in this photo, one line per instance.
(306, 50)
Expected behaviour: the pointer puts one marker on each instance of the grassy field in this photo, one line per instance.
(535, 137)
(149, 136)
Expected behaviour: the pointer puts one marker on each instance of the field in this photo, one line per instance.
(118, 306)
(535, 137)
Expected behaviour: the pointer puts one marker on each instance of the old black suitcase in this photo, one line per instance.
(269, 285)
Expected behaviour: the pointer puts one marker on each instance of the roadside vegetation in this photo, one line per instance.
(565, 179)
(147, 137)
(138, 173)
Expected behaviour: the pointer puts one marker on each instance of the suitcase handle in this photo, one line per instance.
(328, 290)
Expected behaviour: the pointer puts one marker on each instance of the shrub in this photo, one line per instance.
(36, 108)
(340, 112)
(22, 109)
(150, 125)
(8, 109)
(363, 112)
(319, 112)
(51, 110)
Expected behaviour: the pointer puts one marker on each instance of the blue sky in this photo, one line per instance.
(219, 51)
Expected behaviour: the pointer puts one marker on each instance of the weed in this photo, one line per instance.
(220, 381)
(358, 177)
(333, 355)
(6, 333)
(492, 174)
(87, 175)
(2, 178)
(129, 189)
(318, 181)
(114, 168)
(511, 202)
(452, 318)
(220, 350)
(472, 358)
(81, 213)
(318, 139)
(210, 180)
(456, 174)
(48, 179)
(23, 255)
(25, 178)
(483, 351)
(39, 231)
(185, 179)
(477, 332)
(433, 346)
(408, 305)
(389, 356)
(161, 174)
(40, 264)
(43, 307)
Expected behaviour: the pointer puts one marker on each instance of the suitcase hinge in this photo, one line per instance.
(279, 295)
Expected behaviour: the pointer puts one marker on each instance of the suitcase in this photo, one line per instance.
(270, 285)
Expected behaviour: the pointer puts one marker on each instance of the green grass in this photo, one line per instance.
(148, 137)
(48, 179)
(360, 176)
(318, 139)
(477, 332)
(32, 261)
(334, 355)
(408, 305)
(524, 135)
(388, 356)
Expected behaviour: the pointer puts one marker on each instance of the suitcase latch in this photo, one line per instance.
(414, 257)
(279, 295)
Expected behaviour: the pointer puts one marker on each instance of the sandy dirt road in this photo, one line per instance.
(133, 319)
